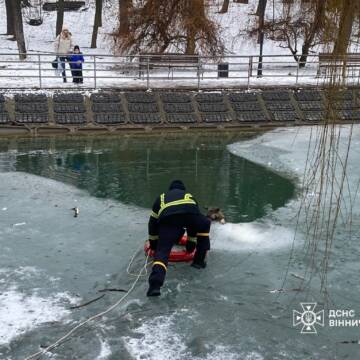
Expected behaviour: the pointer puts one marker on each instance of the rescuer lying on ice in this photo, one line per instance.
(173, 212)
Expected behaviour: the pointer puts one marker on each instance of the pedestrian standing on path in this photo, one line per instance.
(63, 46)
(76, 62)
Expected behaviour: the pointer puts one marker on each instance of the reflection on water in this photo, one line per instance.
(135, 169)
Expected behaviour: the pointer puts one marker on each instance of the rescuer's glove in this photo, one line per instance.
(190, 246)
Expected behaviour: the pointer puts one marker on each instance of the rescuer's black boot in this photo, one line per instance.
(153, 291)
(199, 260)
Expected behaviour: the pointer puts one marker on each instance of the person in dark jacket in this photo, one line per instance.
(76, 61)
(173, 212)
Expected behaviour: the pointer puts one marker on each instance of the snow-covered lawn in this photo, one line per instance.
(122, 73)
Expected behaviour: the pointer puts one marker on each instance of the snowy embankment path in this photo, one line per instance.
(110, 72)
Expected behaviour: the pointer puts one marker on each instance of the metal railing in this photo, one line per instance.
(126, 72)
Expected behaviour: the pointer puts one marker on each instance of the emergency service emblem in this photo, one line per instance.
(308, 318)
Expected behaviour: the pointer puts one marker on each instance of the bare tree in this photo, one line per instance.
(300, 23)
(60, 16)
(157, 25)
(348, 12)
(313, 30)
(225, 7)
(191, 23)
(125, 9)
(10, 30)
(260, 12)
(18, 27)
(97, 22)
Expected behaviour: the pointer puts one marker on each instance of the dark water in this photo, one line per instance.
(134, 170)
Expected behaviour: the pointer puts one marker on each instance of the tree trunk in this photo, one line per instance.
(196, 9)
(190, 43)
(97, 23)
(347, 15)
(315, 28)
(9, 18)
(124, 13)
(260, 10)
(19, 29)
(225, 7)
(60, 17)
(261, 13)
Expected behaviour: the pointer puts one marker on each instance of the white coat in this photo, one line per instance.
(63, 45)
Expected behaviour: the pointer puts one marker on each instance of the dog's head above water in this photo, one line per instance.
(215, 214)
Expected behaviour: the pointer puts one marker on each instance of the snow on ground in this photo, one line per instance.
(117, 72)
(80, 23)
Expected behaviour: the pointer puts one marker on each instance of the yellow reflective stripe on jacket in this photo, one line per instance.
(154, 215)
(160, 263)
(202, 234)
(153, 237)
(192, 239)
(186, 200)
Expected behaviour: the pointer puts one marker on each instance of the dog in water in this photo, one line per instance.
(215, 214)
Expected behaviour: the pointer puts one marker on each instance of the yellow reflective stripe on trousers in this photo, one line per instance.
(153, 237)
(160, 263)
(187, 200)
(202, 234)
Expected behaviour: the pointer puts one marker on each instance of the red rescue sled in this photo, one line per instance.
(176, 255)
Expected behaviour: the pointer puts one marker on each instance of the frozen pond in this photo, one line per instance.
(51, 261)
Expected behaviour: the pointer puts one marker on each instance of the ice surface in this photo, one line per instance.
(21, 312)
(105, 351)
(223, 312)
(159, 339)
(285, 149)
(251, 236)
(51, 248)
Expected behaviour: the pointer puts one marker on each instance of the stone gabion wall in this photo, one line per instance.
(173, 109)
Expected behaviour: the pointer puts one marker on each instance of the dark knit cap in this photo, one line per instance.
(177, 184)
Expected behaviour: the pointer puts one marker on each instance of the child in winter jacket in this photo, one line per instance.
(76, 61)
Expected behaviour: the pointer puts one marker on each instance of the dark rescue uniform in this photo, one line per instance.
(173, 212)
